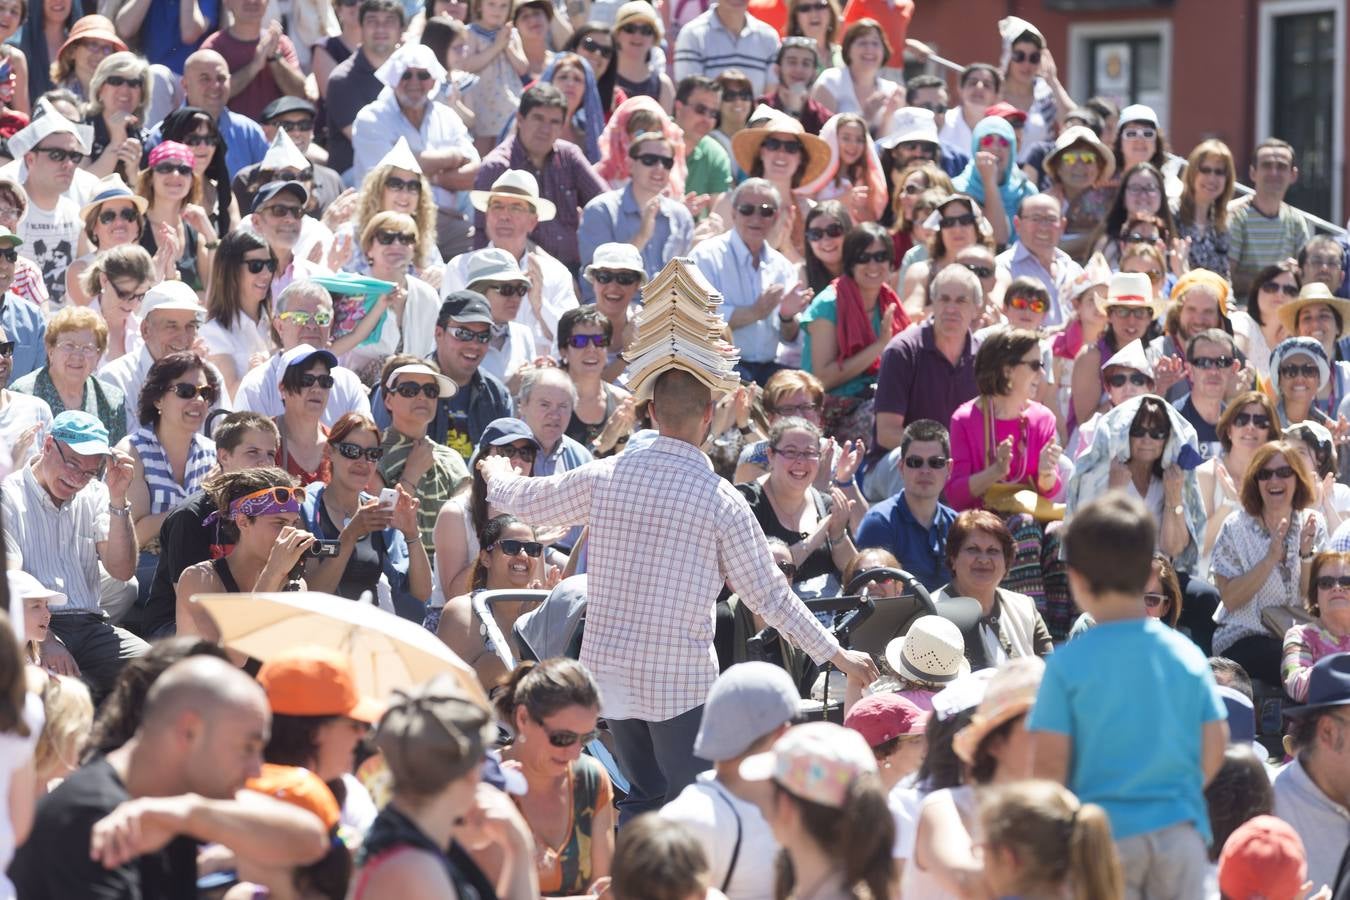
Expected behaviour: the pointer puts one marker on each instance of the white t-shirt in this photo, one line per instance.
(240, 342)
(14, 752)
(260, 392)
(21, 412)
(50, 239)
(711, 812)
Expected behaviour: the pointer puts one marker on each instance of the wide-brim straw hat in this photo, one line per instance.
(1011, 693)
(746, 143)
(1312, 294)
(113, 188)
(1080, 134)
(515, 184)
(1131, 289)
(932, 652)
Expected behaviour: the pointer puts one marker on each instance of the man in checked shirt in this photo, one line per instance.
(665, 534)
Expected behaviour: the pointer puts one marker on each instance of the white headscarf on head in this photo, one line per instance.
(412, 56)
(1009, 30)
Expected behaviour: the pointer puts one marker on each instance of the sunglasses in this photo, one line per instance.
(656, 159)
(309, 379)
(1242, 420)
(1153, 601)
(524, 454)
(387, 238)
(59, 156)
(1139, 134)
(1271, 287)
(591, 45)
(733, 96)
(627, 279)
(467, 336)
(1033, 304)
(1293, 370)
(1210, 170)
(1086, 157)
(1138, 379)
(356, 451)
(294, 125)
(1155, 434)
(281, 496)
(510, 547)
(419, 74)
(411, 389)
(765, 210)
(1212, 362)
(1034, 365)
(320, 317)
(789, 570)
(6, 348)
(644, 30)
(9, 254)
(407, 185)
(1327, 582)
(781, 146)
(708, 112)
(954, 221)
(119, 81)
(1131, 312)
(509, 290)
(936, 463)
(185, 391)
(812, 7)
(816, 234)
(983, 272)
(990, 141)
(578, 341)
(875, 256)
(1020, 56)
(286, 212)
(108, 216)
(561, 738)
(255, 266)
(1281, 472)
(168, 168)
(201, 140)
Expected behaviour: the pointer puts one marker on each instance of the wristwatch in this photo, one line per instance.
(120, 511)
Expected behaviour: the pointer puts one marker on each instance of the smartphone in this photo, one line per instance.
(388, 498)
(324, 549)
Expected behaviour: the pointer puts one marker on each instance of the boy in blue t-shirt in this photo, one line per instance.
(1127, 715)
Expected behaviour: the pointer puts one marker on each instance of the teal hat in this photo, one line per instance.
(81, 432)
(347, 283)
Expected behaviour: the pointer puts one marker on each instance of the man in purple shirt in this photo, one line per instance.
(928, 370)
(564, 175)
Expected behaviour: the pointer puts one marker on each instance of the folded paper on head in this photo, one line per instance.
(680, 327)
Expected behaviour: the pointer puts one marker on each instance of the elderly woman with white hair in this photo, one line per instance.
(119, 93)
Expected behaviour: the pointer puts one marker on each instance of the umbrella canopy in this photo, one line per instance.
(387, 652)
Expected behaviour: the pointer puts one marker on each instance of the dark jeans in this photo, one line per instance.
(1260, 655)
(758, 372)
(100, 648)
(1199, 599)
(657, 758)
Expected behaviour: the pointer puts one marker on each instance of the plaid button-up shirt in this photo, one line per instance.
(665, 534)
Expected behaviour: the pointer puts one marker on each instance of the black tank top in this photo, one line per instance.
(222, 567)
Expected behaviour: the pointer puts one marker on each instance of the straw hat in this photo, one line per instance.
(745, 144)
(516, 184)
(1011, 693)
(931, 652)
(1312, 294)
(1078, 134)
(109, 188)
(1131, 289)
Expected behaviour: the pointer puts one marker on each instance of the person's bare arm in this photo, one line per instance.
(890, 429)
(1085, 383)
(943, 847)
(130, 16)
(192, 619)
(1050, 753)
(1213, 741)
(119, 552)
(192, 23)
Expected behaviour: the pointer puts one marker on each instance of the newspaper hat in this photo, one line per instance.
(283, 154)
(400, 156)
(47, 121)
(1010, 29)
(1131, 356)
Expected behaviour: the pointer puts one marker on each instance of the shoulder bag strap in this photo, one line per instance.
(736, 849)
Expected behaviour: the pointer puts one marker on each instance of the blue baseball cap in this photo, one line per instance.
(503, 431)
(272, 188)
(81, 432)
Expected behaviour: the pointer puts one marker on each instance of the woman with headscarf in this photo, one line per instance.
(572, 75)
(638, 115)
(993, 178)
(1318, 314)
(854, 174)
(1030, 81)
(1299, 370)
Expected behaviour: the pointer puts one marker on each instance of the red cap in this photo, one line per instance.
(1005, 110)
(881, 717)
(1263, 859)
(315, 681)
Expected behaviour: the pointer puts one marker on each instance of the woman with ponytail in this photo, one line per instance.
(553, 707)
(1040, 843)
(828, 813)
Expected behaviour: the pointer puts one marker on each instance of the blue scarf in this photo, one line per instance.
(1012, 187)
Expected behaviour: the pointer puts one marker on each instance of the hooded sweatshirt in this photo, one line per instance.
(1012, 186)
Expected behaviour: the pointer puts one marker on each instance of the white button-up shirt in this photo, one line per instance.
(558, 296)
(1017, 261)
(57, 545)
(727, 263)
(1322, 823)
(380, 124)
(665, 534)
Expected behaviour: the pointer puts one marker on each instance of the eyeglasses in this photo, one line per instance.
(75, 469)
(1073, 157)
(120, 81)
(411, 389)
(467, 336)
(833, 230)
(579, 341)
(278, 211)
(508, 290)
(1212, 362)
(1325, 262)
(406, 185)
(1034, 57)
(294, 125)
(1143, 190)
(387, 238)
(184, 391)
(309, 379)
(644, 30)
(255, 266)
(991, 141)
(982, 272)
(355, 451)
(1153, 434)
(1242, 420)
(524, 454)
(789, 570)
(73, 349)
(591, 45)
(1281, 472)
(733, 96)
(781, 146)
(955, 221)
(875, 256)
(627, 279)
(798, 409)
(562, 738)
(935, 463)
(1048, 221)
(656, 159)
(1034, 365)
(419, 74)
(510, 547)
(1271, 287)
(9, 254)
(168, 168)
(1131, 312)
(1139, 134)
(765, 210)
(1327, 582)
(1294, 370)
(1210, 170)
(1153, 601)
(320, 317)
(201, 140)
(6, 348)
(58, 155)
(108, 216)
(792, 454)
(1138, 379)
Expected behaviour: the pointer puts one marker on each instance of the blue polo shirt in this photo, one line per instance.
(921, 550)
(23, 325)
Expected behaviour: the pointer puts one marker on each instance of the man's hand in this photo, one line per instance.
(1167, 372)
(770, 300)
(858, 666)
(56, 658)
(269, 41)
(121, 470)
(137, 827)
(495, 467)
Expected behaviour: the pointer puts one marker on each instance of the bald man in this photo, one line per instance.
(206, 83)
(128, 825)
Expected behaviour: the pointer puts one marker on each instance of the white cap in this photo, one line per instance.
(447, 386)
(283, 154)
(174, 296)
(400, 156)
(1138, 112)
(493, 264)
(1131, 356)
(27, 587)
(621, 256)
(911, 123)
